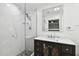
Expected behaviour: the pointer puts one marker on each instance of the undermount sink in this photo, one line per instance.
(56, 39)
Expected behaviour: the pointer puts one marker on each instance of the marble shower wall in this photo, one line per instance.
(11, 30)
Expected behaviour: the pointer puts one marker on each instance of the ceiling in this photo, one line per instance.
(32, 6)
(21, 6)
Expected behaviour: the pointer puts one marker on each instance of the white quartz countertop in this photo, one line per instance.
(57, 40)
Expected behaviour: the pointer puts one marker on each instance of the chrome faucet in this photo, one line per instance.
(51, 35)
(54, 36)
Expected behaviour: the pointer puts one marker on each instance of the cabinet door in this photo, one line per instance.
(45, 50)
(55, 50)
(68, 50)
(38, 48)
(52, 49)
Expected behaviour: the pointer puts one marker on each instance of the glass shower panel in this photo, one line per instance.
(30, 31)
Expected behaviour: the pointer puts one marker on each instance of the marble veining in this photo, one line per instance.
(57, 40)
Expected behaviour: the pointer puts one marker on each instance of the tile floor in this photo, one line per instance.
(26, 53)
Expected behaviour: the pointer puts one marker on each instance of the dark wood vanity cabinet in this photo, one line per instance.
(45, 48)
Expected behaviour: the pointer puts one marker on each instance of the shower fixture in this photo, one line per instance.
(28, 16)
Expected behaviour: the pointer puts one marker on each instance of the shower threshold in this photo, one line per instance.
(26, 53)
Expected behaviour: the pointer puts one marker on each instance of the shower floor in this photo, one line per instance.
(26, 53)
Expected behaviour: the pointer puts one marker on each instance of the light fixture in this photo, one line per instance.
(13, 9)
(8, 5)
(52, 22)
(56, 9)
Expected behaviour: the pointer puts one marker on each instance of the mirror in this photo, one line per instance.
(52, 18)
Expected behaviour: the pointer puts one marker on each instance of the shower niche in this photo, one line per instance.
(52, 18)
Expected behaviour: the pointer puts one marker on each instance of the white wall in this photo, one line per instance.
(11, 30)
(71, 16)
(70, 19)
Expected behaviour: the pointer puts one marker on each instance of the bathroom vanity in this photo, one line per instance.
(44, 46)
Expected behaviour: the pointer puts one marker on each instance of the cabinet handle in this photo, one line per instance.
(67, 49)
(37, 49)
(44, 45)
